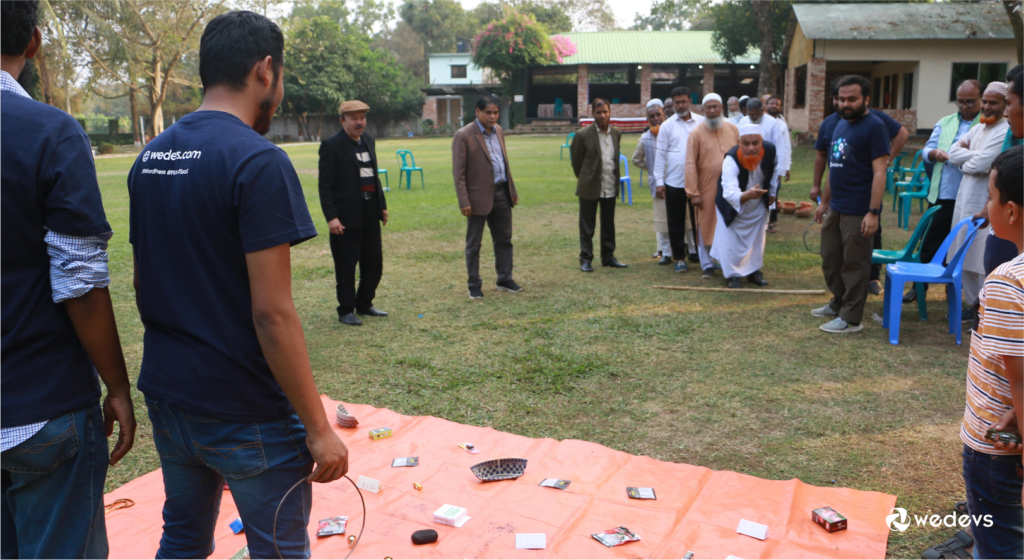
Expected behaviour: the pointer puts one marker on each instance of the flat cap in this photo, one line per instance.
(352, 106)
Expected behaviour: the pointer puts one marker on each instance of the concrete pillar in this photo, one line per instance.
(645, 84)
(582, 92)
(817, 93)
(709, 79)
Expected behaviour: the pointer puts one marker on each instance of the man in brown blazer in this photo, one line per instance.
(486, 192)
(595, 161)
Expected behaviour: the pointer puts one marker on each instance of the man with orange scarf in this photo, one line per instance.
(746, 188)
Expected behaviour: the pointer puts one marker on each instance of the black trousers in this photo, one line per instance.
(938, 230)
(876, 269)
(362, 246)
(675, 208)
(588, 222)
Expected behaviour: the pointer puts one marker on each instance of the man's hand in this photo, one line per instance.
(515, 200)
(467, 211)
(819, 212)
(335, 227)
(869, 225)
(787, 176)
(119, 408)
(696, 202)
(384, 214)
(815, 194)
(1008, 423)
(754, 192)
(939, 156)
(771, 200)
(659, 192)
(330, 455)
(982, 215)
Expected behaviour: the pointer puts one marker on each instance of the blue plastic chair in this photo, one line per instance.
(568, 144)
(910, 253)
(408, 166)
(624, 179)
(385, 172)
(896, 275)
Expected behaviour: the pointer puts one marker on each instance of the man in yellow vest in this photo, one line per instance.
(946, 176)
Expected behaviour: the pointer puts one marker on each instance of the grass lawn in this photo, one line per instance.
(741, 382)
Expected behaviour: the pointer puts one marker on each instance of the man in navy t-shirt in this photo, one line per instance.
(898, 135)
(58, 323)
(850, 205)
(215, 208)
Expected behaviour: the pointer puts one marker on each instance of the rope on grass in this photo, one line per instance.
(744, 290)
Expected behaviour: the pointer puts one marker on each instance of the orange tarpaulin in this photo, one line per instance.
(696, 508)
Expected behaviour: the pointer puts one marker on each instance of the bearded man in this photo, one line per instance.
(776, 132)
(974, 154)
(705, 151)
(734, 110)
(741, 206)
(644, 156)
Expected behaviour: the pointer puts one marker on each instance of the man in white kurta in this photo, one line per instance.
(644, 157)
(739, 247)
(974, 154)
(670, 172)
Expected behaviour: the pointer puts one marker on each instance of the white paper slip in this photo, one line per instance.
(368, 484)
(531, 541)
(731, 557)
(751, 529)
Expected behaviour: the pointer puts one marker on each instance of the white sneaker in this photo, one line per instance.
(826, 311)
(840, 326)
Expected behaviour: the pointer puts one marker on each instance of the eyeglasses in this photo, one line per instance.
(965, 103)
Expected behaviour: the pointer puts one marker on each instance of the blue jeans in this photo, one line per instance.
(53, 490)
(993, 484)
(260, 461)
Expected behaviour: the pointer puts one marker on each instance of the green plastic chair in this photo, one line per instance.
(910, 253)
(568, 144)
(904, 193)
(385, 172)
(895, 165)
(408, 165)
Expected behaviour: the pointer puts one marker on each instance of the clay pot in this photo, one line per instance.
(806, 210)
(788, 207)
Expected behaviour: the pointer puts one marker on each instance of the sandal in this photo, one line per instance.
(771, 228)
(961, 507)
(955, 547)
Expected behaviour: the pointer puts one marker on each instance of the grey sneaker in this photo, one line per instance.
(826, 311)
(840, 326)
(475, 292)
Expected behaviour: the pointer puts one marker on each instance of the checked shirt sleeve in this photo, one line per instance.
(77, 264)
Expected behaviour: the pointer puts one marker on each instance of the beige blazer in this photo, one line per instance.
(586, 161)
(473, 171)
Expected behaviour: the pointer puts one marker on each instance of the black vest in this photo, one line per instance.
(767, 169)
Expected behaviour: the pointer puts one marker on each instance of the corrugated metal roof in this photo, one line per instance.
(653, 47)
(890, 21)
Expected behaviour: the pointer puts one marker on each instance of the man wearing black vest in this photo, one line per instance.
(742, 202)
(353, 203)
(58, 323)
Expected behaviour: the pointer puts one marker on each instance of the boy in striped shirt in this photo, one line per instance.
(992, 471)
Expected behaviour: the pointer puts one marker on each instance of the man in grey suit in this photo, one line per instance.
(486, 193)
(595, 161)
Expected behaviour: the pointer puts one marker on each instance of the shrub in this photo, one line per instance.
(106, 148)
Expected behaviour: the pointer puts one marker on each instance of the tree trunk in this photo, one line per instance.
(1018, 26)
(300, 123)
(764, 25)
(156, 87)
(133, 108)
(44, 76)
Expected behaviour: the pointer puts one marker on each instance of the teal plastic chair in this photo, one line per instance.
(385, 172)
(568, 144)
(895, 165)
(904, 193)
(910, 253)
(408, 165)
(624, 180)
(934, 272)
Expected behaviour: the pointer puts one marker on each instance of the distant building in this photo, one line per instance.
(914, 55)
(453, 75)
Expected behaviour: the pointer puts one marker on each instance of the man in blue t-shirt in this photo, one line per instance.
(898, 135)
(214, 210)
(58, 323)
(850, 205)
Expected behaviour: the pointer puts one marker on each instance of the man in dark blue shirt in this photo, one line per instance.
(850, 205)
(898, 135)
(58, 323)
(214, 211)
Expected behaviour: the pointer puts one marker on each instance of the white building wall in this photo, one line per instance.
(441, 72)
(935, 60)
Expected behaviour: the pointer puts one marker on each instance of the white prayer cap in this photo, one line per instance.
(744, 97)
(998, 87)
(711, 97)
(655, 103)
(750, 130)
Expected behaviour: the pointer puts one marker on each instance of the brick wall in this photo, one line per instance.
(906, 117)
(629, 110)
(709, 79)
(430, 109)
(645, 84)
(796, 117)
(817, 91)
(582, 92)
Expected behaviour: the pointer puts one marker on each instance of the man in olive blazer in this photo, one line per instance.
(486, 193)
(595, 161)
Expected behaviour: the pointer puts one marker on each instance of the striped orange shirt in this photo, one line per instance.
(1000, 333)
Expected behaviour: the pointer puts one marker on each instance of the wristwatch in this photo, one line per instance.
(876, 211)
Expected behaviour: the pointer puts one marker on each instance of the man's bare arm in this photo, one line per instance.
(279, 331)
(820, 161)
(897, 143)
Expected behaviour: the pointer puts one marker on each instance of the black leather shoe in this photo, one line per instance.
(875, 288)
(694, 258)
(509, 286)
(709, 272)
(734, 282)
(665, 260)
(585, 266)
(350, 319)
(757, 278)
(475, 292)
(910, 296)
(372, 312)
(612, 262)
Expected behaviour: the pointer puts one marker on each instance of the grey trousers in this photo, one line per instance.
(499, 221)
(846, 263)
